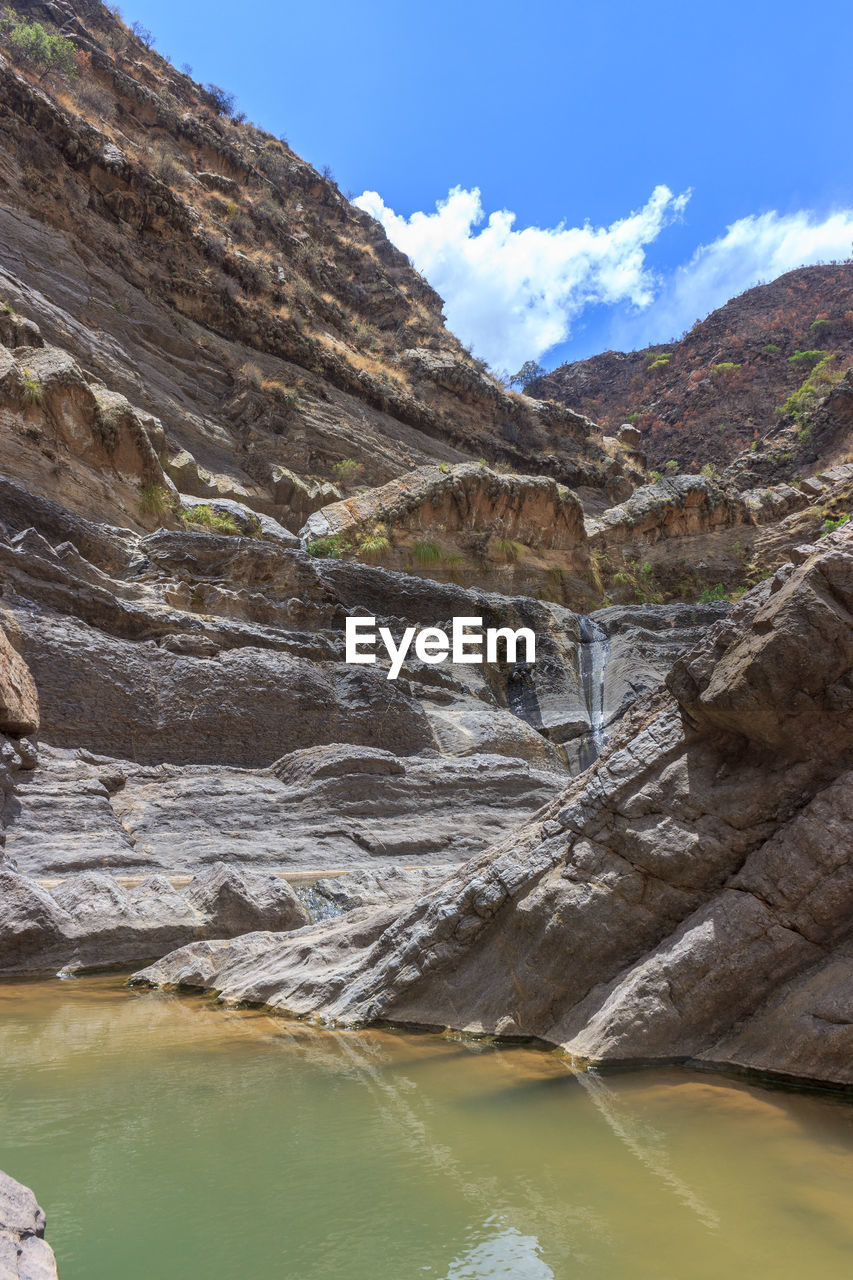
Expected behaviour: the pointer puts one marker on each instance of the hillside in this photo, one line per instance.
(715, 392)
(196, 265)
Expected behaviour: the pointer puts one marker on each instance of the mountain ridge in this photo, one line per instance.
(709, 395)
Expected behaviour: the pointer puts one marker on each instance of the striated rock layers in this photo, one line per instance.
(90, 919)
(195, 704)
(24, 1252)
(688, 897)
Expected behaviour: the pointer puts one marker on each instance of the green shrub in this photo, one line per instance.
(209, 518)
(807, 359)
(710, 471)
(712, 594)
(346, 471)
(829, 526)
(660, 361)
(771, 349)
(154, 500)
(510, 551)
(802, 401)
(527, 374)
(725, 366)
(426, 552)
(33, 390)
(375, 544)
(654, 476)
(332, 547)
(444, 466)
(820, 326)
(36, 47)
(671, 467)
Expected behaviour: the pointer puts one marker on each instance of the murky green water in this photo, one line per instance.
(168, 1139)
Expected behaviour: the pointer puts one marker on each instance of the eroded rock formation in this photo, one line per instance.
(690, 896)
(204, 350)
(90, 919)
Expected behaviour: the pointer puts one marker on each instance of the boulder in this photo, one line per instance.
(238, 901)
(19, 706)
(24, 1252)
(251, 523)
(630, 435)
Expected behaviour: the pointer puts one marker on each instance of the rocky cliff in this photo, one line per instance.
(688, 897)
(231, 418)
(196, 267)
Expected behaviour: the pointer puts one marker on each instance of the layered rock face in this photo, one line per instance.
(24, 1252)
(688, 897)
(231, 418)
(196, 705)
(198, 267)
(671, 538)
(19, 708)
(463, 499)
(90, 919)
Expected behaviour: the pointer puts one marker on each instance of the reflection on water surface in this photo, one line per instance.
(168, 1138)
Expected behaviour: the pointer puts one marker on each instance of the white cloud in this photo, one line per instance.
(514, 294)
(760, 247)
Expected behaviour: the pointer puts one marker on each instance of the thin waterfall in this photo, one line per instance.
(594, 653)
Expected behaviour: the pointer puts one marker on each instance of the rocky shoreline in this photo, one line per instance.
(24, 1252)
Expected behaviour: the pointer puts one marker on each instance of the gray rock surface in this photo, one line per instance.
(331, 896)
(319, 807)
(689, 897)
(91, 920)
(175, 669)
(24, 1252)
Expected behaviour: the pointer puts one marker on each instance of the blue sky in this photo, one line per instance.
(563, 115)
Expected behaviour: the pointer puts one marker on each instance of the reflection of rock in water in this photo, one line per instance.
(646, 1143)
(594, 651)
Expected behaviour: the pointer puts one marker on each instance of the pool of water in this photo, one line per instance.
(167, 1138)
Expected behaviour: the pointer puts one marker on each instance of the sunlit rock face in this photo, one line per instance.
(24, 1252)
(689, 896)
